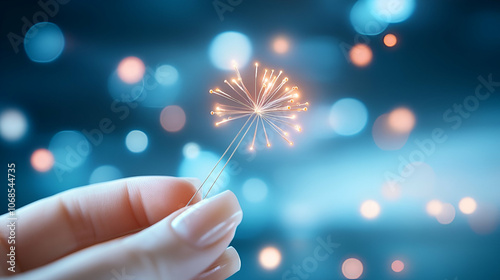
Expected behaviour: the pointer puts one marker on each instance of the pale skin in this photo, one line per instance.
(124, 229)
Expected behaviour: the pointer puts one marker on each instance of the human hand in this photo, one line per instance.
(134, 228)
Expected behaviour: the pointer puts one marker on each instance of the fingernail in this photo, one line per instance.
(193, 181)
(207, 221)
(226, 265)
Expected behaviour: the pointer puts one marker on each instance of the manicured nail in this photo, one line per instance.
(207, 221)
(226, 265)
(193, 181)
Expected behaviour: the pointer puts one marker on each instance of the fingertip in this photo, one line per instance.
(235, 259)
(207, 222)
(224, 267)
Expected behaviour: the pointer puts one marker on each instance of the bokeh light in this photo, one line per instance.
(166, 75)
(447, 214)
(281, 45)
(363, 21)
(467, 205)
(370, 209)
(392, 11)
(352, 268)
(104, 173)
(254, 190)
(397, 266)
(385, 137)
(434, 207)
(44, 42)
(124, 92)
(42, 160)
(228, 47)
(172, 118)
(131, 70)
(70, 148)
(191, 150)
(161, 87)
(402, 120)
(13, 125)
(270, 258)
(136, 141)
(390, 40)
(348, 116)
(361, 55)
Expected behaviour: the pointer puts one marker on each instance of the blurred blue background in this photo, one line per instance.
(398, 161)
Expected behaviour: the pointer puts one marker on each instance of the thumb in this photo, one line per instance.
(180, 247)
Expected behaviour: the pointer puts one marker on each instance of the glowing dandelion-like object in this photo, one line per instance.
(271, 106)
